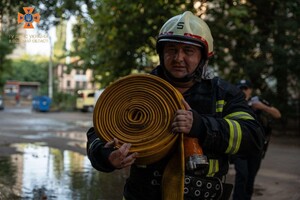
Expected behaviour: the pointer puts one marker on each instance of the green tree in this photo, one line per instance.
(8, 29)
(119, 36)
(59, 48)
(29, 69)
(258, 40)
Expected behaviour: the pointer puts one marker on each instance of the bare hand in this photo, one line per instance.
(120, 157)
(258, 105)
(183, 120)
(274, 112)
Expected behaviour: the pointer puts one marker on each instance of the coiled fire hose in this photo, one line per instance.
(139, 109)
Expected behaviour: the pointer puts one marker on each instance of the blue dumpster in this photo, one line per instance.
(41, 103)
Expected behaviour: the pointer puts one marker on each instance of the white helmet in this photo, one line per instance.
(189, 29)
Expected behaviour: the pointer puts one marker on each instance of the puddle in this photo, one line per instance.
(41, 172)
(72, 135)
(84, 123)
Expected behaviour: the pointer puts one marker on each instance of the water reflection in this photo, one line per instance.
(41, 172)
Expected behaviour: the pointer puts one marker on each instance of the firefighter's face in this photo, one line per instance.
(181, 59)
(248, 92)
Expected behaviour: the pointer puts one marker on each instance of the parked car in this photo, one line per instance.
(1, 103)
(85, 100)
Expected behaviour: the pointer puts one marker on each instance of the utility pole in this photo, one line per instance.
(50, 70)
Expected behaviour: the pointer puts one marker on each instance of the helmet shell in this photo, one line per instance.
(186, 28)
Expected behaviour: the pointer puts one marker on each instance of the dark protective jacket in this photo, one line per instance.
(265, 120)
(223, 122)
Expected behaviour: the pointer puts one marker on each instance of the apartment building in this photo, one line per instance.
(73, 80)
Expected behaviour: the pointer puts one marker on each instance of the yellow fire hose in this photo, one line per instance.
(139, 109)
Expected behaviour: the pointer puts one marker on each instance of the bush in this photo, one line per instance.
(63, 102)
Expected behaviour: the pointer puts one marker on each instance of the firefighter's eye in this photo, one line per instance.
(189, 50)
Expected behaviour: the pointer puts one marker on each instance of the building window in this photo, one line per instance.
(77, 84)
(84, 85)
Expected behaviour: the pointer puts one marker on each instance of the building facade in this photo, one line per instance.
(73, 80)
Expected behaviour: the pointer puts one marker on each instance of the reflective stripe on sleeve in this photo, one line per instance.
(219, 105)
(92, 144)
(213, 167)
(235, 136)
(239, 115)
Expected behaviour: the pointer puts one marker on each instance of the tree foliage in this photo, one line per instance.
(259, 40)
(120, 35)
(29, 69)
(8, 27)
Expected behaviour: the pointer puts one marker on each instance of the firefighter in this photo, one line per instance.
(246, 167)
(215, 113)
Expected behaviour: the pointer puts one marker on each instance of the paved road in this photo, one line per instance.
(279, 175)
(278, 178)
(61, 130)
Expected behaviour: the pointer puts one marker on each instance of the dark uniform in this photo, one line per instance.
(265, 120)
(223, 123)
(246, 167)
